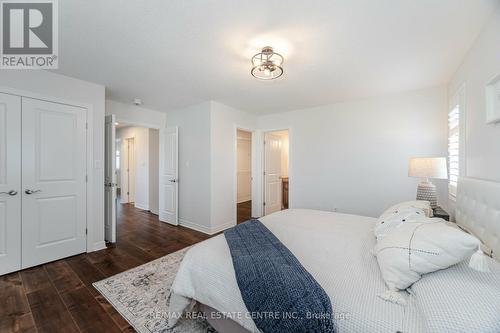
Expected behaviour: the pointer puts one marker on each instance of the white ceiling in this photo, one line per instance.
(177, 53)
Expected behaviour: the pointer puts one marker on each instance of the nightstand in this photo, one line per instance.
(441, 213)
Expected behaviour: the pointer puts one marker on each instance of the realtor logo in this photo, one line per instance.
(29, 34)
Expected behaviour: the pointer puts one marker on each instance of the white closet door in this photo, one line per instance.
(54, 186)
(10, 183)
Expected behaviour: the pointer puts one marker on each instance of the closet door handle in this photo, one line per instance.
(32, 191)
(11, 192)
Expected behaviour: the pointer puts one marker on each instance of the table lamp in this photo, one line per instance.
(428, 168)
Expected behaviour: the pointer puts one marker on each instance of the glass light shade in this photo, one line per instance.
(267, 65)
(428, 167)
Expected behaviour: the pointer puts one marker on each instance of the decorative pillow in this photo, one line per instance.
(460, 299)
(418, 247)
(417, 204)
(391, 220)
(402, 212)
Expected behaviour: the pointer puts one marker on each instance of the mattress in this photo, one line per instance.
(335, 248)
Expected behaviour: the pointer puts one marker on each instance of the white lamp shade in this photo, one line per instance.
(428, 167)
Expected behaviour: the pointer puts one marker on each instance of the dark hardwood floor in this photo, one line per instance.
(59, 297)
(244, 211)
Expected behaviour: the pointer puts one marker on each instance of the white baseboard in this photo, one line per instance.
(203, 228)
(194, 226)
(98, 246)
(141, 206)
(245, 199)
(223, 227)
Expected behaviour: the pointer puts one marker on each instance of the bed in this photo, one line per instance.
(336, 249)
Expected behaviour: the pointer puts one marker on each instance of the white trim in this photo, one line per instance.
(194, 226)
(91, 245)
(140, 206)
(245, 199)
(99, 246)
(203, 228)
(123, 120)
(222, 227)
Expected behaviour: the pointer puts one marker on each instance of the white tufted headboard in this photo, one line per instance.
(478, 211)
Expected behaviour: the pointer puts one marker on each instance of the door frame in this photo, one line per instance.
(91, 174)
(261, 180)
(110, 212)
(235, 170)
(258, 167)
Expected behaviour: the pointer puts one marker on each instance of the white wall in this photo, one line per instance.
(72, 90)
(353, 156)
(154, 172)
(244, 166)
(194, 165)
(224, 122)
(207, 164)
(136, 115)
(141, 146)
(481, 151)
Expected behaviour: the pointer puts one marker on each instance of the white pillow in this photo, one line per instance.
(393, 219)
(419, 247)
(400, 213)
(417, 204)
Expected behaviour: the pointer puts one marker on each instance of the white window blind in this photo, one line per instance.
(453, 150)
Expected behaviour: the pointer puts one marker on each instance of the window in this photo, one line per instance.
(453, 150)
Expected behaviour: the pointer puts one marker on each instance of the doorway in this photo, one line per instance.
(276, 165)
(243, 175)
(127, 174)
(133, 162)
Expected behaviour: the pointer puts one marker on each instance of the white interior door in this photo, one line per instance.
(110, 180)
(10, 183)
(272, 173)
(169, 178)
(53, 179)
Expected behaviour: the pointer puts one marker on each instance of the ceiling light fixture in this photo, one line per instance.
(267, 65)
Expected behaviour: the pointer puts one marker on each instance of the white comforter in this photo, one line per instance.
(335, 248)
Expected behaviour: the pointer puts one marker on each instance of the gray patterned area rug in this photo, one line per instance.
(142, 294)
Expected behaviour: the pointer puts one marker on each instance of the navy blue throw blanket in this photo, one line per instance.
(278, 291)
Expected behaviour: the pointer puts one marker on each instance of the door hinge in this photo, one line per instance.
(86, 178)
(86, 125)
(264, 173)
(86, 231)
(264, 203)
